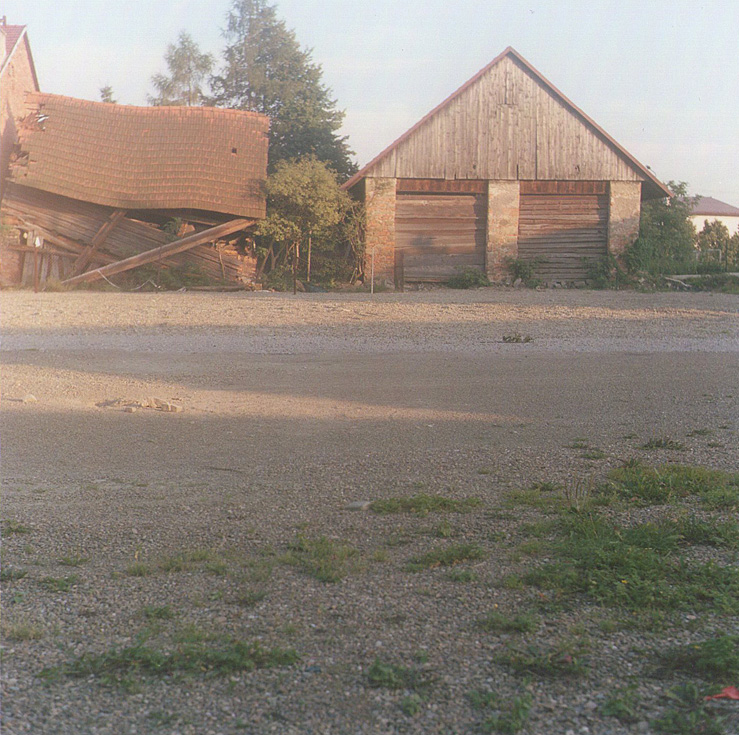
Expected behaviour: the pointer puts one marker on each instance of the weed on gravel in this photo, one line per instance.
(445, 556)
(383, 674)
(634, 568)
(12, 526)
(60, 584)
(715, 659)
(498, 622)
(325, 559)
(665, 484)
(509, 716)
(664, 443)
(124, 666)
(688, 714)
(423, 504)
(564, 658)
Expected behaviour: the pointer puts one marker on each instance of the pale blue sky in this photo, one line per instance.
(661, 76)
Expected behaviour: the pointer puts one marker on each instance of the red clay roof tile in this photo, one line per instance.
(144, 157)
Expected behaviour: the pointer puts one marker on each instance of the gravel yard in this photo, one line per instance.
(152, 538)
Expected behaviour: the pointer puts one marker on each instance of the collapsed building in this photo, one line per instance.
(96, 189)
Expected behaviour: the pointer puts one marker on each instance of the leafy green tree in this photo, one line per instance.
(666, 241)
(188, 68)
(715, 236)
(265, 70)
(305, 205)
(106, 94)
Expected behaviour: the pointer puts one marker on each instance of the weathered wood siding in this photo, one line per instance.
(506, 125)
(563, 228)
(439, 234)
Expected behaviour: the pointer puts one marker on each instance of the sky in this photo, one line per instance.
(660, 76)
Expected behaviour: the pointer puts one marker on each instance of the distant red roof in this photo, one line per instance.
(710, 206)
(144, 157)
(15, 36)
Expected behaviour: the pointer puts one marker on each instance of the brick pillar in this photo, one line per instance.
(379, 198)
(502, 235)
(623, 215)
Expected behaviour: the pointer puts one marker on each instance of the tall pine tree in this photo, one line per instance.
(266, 71)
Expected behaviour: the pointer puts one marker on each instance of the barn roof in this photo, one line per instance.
(144, 157)
(653, 187)
(14, 37)
(711, 206)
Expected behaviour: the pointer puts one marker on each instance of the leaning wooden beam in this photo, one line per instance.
(100, 236)
(150, 256)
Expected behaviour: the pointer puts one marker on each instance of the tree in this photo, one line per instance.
(106, 94)
(666, 234)
(266, 71)
(304, 205)
(715, 236)
(188, 71)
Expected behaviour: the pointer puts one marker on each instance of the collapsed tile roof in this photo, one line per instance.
(138, 158)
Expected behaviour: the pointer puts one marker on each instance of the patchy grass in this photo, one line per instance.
(510, 716)
(423, 504)
(157, 612)
(445, 556)
(22, 631)
(664, 443)
(623, 704)
(715, 659)
(672, 483)
(462, 575)
(11, 526)
(116, 666)
(517, 338)
(60, 584)
(634, 568)
(688, 714)
(73, 560)
(498, 622)
(189, 560)
(12, 575)
(323, 558)
(566, 658)
(394, 676)
(139, 569)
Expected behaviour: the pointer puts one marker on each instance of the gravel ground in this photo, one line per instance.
(293, 407)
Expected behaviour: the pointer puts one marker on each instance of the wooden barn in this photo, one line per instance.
(97, 189)
(506, 168)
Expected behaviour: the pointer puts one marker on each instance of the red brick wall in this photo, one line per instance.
(379, 198)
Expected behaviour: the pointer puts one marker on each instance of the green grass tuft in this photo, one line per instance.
(423, 504)
(395, 676)
(116, 666)
(445, 556)
(498, 622)
(715, 659)
(671, 483)
(323, 558)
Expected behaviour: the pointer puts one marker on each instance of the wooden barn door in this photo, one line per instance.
(439, 228)
(563, 225)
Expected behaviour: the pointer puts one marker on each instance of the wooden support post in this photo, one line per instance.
(100, 236)
(150, 256)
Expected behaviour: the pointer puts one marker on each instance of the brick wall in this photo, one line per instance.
(623, 215)
(379, 197)
(502, 235)
(17, 79)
